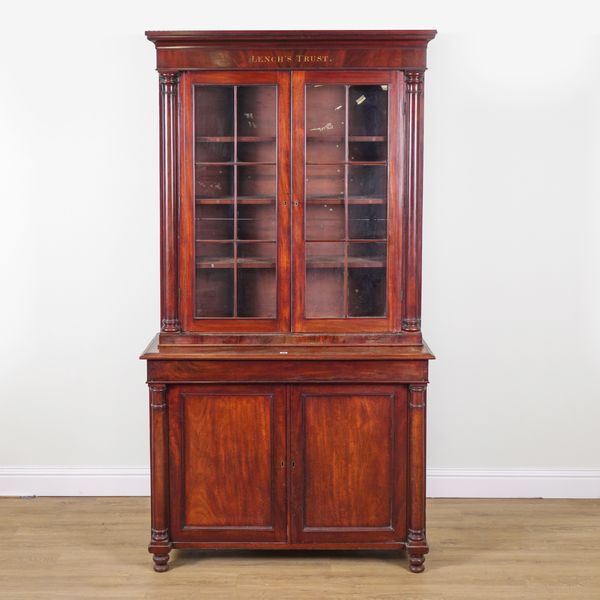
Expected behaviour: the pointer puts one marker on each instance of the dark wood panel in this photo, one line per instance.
(190, 58)
(228, 455)
(413, 343)
(348, 458)
(347, 461)
(388, 371)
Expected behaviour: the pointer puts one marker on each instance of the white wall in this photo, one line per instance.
(512, 244)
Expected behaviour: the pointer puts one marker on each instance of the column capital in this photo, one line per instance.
(414, 81)
(169, 78)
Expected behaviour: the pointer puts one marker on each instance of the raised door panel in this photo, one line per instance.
(349, 464)
(346, 215)
(228, 458)
(235, 207)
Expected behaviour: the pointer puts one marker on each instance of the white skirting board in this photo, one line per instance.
(441, 483)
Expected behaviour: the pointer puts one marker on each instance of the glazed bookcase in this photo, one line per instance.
(287, 382)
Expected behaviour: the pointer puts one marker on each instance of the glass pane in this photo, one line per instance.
(214, 182)
(256, 279)
(214, 222)
(256, 183)
(367, 112)
(346, 201)
(256, 111)
(325, 123)
(214, 280)
(367, 183)
(235, 191)
(367, 280)
(324, 279)
(213, 111)
(256, 222)
(325, 215)
(257, 151)
(214, 293)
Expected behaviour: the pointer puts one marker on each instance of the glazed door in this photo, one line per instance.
(235, 202)
(348, 463)
(227, 453)
(346, 189)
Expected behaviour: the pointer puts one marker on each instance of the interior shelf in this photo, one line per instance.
(231, 138)
(239, 164)
(340, 200)
(229, 263)
(347, 162)
(240, 200)
(337, 262)
(351, 138)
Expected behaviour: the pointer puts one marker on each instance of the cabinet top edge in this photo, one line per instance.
(154, 351)
(167, 38)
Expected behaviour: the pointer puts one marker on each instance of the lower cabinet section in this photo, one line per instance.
(235, 477)
(245, 465)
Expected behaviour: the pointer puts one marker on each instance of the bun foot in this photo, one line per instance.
(160, 562)
(416, 563)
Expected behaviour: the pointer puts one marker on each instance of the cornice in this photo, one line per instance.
(339, 38)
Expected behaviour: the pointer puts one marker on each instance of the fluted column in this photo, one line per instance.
(160, 544)
(417, 542)
(413, 81)
(169, 289)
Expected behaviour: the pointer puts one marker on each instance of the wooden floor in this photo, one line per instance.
(480, 549)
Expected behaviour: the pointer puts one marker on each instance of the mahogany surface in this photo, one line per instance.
(288, 379)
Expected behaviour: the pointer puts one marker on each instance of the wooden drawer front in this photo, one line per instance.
(348, 463)
(227, 463)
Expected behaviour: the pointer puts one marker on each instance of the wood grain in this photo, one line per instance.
(227, 462)
(94, 548)
(349, 445)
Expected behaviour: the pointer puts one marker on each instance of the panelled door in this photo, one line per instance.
(235, 181)
(227, 454)
(348, 469)
(345, 191)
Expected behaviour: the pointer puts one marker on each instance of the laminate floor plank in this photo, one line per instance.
(95, 548)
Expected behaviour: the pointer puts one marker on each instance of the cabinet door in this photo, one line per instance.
(235, 202)
(227, 463)
(348, 466)
(346, 189)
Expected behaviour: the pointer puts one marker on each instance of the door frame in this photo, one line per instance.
(187, 208)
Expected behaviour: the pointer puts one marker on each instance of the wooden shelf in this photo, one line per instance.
(351, 138)
(229, 241)
(337, 262)
(347, 162)
(240, 200)
(367, 138)
(233, 163)
(242, 263)
(352, 200)
(231, 138)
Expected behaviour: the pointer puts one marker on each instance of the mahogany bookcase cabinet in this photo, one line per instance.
(287, 383)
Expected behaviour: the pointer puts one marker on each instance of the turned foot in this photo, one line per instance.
(416, 562)
(160, 562)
